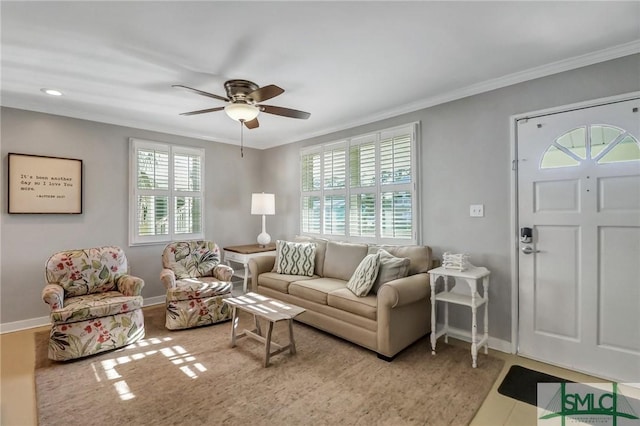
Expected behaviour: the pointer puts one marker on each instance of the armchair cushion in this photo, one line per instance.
(198, 288)
(95, 305)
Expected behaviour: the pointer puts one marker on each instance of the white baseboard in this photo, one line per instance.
(10, 327)
(157, 300)
(494, 343)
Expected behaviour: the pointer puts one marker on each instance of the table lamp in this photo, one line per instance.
(264, 204)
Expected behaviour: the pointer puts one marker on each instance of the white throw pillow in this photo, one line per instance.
(295, 258)
(365, 275)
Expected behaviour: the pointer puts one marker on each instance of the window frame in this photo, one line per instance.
(378, 188)
(136, 144)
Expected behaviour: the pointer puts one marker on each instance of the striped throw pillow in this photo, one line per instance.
(295, 258)
(365, 275)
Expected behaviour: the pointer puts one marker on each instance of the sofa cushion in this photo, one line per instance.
(316, 290)
(365, 275)
(345, 300)
(321, 249)
(391, 268)
(280, 282)
(419, 256)
(295, 258)
(342, 259)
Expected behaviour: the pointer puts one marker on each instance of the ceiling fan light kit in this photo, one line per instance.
(242, 111)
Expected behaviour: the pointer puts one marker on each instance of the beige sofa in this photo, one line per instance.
(386, 321)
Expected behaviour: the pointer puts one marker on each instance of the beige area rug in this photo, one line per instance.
(193, 377)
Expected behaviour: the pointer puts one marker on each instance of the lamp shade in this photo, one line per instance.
(263, 204)
(241, 111)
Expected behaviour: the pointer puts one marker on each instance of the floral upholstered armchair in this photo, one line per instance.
(196, 283)
(95, 305)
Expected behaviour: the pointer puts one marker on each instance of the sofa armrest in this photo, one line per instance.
(168, 278)
(404, 291)
(259, 265)
(404, 313)
(223, 272)
(53, 295)
(129, 285)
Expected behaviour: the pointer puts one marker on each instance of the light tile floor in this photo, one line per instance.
(18, 406)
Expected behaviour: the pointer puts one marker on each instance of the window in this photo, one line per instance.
(167, 193)
(602, 144)
(362, 189)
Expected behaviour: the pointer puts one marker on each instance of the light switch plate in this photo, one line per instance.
(476, 210)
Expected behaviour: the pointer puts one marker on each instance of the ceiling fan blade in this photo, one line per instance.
(200, 92)
(252, 124)
(266, 92)
(285, 112)
(203, 111)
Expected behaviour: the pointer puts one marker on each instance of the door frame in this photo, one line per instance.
(515, 243)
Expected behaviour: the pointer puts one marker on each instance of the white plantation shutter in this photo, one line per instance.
(152, 190)
(334, 215)
(368, 189)
(187, 182)
(395, 158)
(310, 202)
(396, 185)
(396, 215)
(310, 171)
(335, 167)
(311, 214)
(362, 215)
(362, 162)
(167, 192)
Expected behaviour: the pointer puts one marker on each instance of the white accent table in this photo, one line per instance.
(472, 277)
(242, 254)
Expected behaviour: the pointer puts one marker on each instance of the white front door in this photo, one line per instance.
(579, 276)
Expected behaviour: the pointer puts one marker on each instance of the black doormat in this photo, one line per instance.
(522, 384)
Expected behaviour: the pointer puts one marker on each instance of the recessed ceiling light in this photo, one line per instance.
(51, 92)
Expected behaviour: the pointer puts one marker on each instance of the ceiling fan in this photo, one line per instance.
(244, 99)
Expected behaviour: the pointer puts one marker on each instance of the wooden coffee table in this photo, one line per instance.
(268, 309)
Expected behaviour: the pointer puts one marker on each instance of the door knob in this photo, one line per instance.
(529, 250)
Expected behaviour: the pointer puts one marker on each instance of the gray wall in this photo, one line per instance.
(465, 159)
(28, 240)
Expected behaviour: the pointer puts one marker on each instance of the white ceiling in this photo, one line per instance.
(347, 63)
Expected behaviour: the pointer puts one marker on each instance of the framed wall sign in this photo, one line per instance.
(39, 184)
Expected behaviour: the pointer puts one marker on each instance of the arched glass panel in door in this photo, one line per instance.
(603, 144)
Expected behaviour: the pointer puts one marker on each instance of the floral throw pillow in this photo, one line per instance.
(365, 275)
(295, 258)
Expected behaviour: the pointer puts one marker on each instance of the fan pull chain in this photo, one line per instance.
(241, 138)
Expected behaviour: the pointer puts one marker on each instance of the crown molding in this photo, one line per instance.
(568, 64)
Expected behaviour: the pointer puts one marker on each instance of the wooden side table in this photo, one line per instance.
(270, 310)
(242, 254)
(472, 277)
